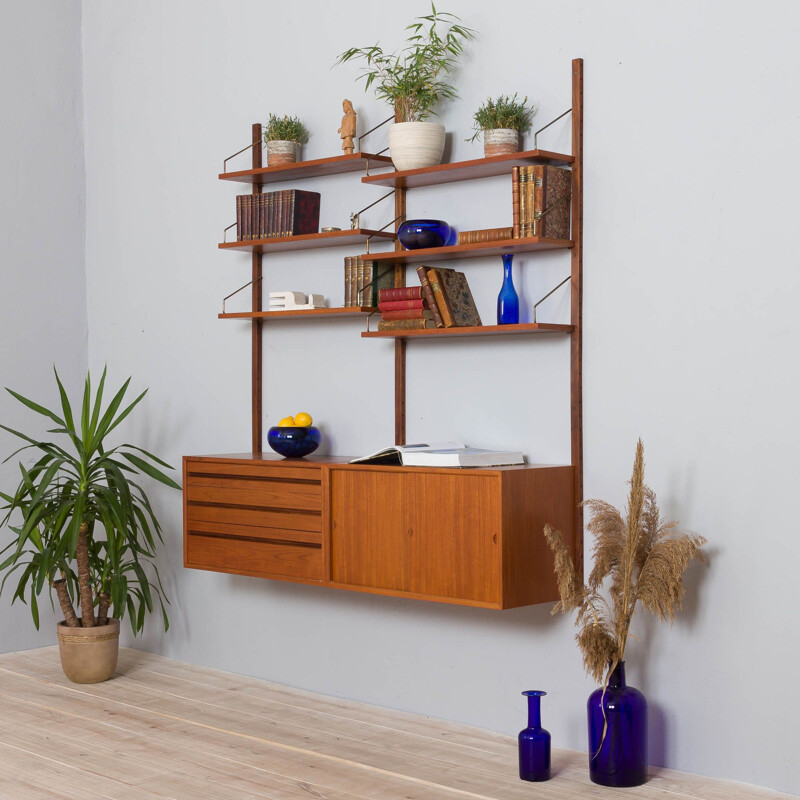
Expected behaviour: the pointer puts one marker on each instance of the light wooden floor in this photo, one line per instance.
(163, 729)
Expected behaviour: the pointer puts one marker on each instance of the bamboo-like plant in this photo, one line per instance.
(285, 129)
(82, 526)
(637, 559)
(414, 80)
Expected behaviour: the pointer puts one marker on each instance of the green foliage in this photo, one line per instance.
(503, 112)
(285, 129)
(414, 81)
(83, 483)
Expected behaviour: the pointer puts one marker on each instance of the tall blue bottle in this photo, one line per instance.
(534, 743)
(621, 759)
(507, 300)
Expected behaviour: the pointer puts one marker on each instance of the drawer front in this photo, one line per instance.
(434, 534)
(253, 518)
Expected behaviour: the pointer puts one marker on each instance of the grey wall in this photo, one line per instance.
(42, 224)
(691, 331)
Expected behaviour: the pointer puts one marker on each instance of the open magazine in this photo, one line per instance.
(442, 454)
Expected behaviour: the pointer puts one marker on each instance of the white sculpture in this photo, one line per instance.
(294, 301)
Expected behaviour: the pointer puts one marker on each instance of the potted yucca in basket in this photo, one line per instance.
(638, 560)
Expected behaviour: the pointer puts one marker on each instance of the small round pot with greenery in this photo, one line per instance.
(501, 120)
(284, 136)
(83, 528)
(414, 81)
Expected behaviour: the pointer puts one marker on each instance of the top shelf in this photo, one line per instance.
(467, 170)
(319, 167)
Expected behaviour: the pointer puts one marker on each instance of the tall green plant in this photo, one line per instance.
(414, 80)
(82, 525)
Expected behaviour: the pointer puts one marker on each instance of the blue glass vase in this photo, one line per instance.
(534, 743)
(621, 759)
(507, 300)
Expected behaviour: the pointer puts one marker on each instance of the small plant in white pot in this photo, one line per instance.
(413, 82)
(500, 121)
(284, 136)
(84, 529)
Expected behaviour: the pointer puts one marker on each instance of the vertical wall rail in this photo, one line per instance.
(399, 344)
(256, 343)
(576, 342)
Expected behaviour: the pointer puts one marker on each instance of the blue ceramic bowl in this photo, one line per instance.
(294, 442)
(415, 234)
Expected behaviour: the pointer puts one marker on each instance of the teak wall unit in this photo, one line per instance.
(472, 537)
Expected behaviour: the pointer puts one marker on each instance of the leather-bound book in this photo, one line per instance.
(401, 305)
(515, 202)
(552, 190)
(407, 313)
(304, 215)
(405, 324)
(400, 293)
(458, 298)
(427, 293)
(239, 224)
(348, 281)
(440, 298)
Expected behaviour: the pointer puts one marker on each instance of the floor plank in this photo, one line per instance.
(162, 730)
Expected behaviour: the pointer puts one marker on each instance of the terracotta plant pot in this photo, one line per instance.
(281, 151)
(500, 141)
(89, 655)
(414, 145)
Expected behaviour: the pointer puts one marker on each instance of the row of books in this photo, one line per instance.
(363, 281)
(289, 212)
(442, 300)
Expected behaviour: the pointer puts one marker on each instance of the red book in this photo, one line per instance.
(401, 293)
(303, 212)
(399, 305)
(409, 313)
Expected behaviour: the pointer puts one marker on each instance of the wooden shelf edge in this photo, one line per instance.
(318, 167)
(530, 244)
(309, 240)
(348, 311)
(467, 170)
(482, 330)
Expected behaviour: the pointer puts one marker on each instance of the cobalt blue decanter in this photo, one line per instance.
(534, 743)
(507, 300)
(618, 737)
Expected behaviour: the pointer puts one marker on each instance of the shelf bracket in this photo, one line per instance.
(355, 216)
(552, 122)
(228, 297)
(238, 153)
(535, 305)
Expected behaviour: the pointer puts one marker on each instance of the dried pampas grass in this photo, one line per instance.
(637, 559)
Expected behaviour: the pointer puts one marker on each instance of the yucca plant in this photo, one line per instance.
(638, 559)
(414, 81)
(82, 526)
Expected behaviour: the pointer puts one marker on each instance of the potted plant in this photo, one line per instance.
(284, 136)
(637, 560)
(413, 82)
(501, 120)
(84, 529)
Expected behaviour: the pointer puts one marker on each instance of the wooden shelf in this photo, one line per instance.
(310, 241)
(351, 311)
(467, 170)
(317, 168)
(530, 245)
(482, 330)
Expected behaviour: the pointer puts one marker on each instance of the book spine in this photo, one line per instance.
(247, 207)
(515, 202)
(408, 313)
(273, 215)
(539, 194)
(286, 196)
(239, 223)
(399, 305)
(428, 294)
(348, 287)
(400, 293)
(530, 188)
(440, 298)
(359, 281)
(259, 204)
(405, 324)
(369, 287)
(485, 235)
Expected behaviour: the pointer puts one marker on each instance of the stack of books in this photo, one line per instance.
(271, 215)
(442, 300)
(363, 281)
(541, 201)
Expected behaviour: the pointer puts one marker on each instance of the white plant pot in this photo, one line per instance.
(500, 141)
(281, 151)
(414, 145)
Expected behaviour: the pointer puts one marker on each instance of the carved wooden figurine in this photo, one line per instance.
(348, 130)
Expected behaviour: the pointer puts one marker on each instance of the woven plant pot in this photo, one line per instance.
(414, 145)
(281, 151)
(500, 141)
(89, 655)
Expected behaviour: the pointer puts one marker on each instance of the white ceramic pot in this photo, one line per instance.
(499, 141)
(414, 145)
(281, 151)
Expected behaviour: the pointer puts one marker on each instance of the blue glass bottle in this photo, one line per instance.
(507, 300)
(621, 759)
(534, 743)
